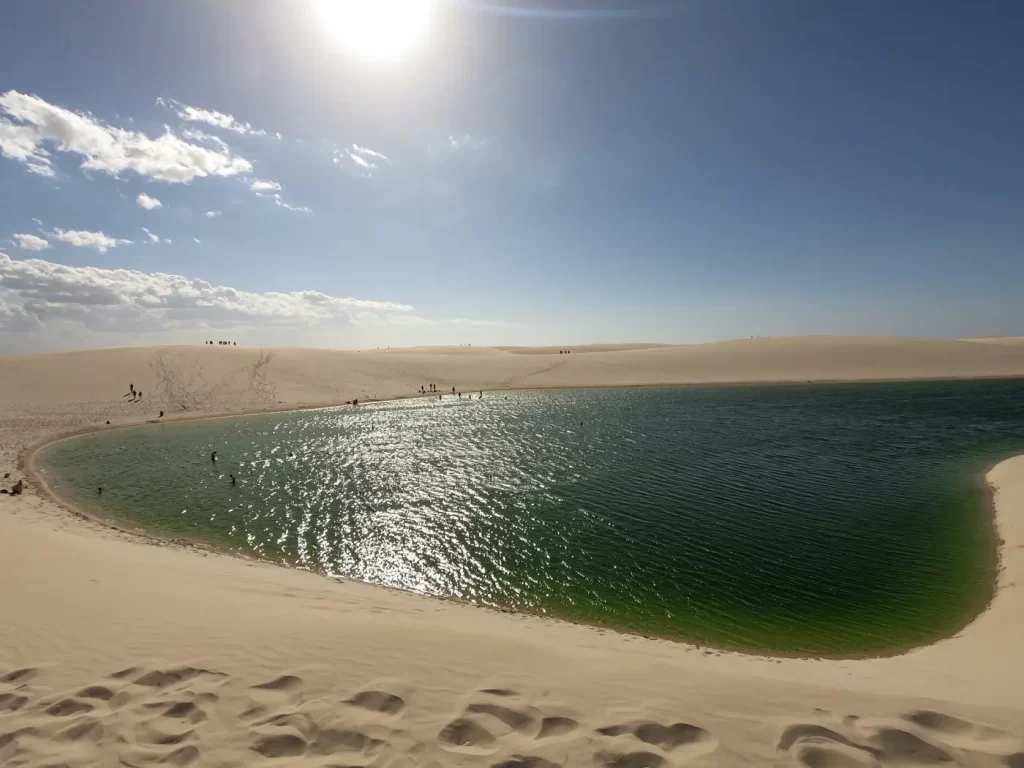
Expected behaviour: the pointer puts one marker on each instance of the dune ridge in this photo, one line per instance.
(114, 651)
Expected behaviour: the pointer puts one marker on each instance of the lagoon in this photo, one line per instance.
(832, 520)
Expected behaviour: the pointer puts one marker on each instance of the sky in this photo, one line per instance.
(341, 173)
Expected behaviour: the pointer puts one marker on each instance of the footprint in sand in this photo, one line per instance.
(280, 745)
(681, 740)
(816, 746)
(525, 761)
(68, 707)
(496, 713)
(185, 710)
(19, 676)
(99, 692)
(160, 679)
(123, 674)
(804, 732)
(284, 683)
(308, 739)
(899, 747)
(553, 727)
(378, 701)
(963, 733)
(467, 736)
(638, 759)
(331, 740)
(824, 754)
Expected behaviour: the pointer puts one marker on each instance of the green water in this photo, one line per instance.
(820, 520)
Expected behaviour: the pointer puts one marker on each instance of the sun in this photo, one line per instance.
(376, 29)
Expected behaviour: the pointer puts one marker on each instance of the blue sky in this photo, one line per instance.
(532, 172)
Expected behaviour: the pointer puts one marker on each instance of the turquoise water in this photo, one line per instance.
(832, 520)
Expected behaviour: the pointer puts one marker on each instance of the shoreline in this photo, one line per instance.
(29, 462)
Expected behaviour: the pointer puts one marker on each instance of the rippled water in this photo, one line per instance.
(808, 519)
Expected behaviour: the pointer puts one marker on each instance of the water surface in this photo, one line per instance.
(838, 519)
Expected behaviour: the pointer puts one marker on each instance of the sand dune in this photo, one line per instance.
(119, 650)
(221, 375)
(580, 349)
(1010, 340)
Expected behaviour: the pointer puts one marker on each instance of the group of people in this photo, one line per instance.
(133, 395)
(213, 460)
(431, 389)
(223, 343)
(565, 351)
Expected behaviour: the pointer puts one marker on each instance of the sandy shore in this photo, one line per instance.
(114, 651)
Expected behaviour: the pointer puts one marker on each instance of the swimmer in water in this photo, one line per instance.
(213, 457)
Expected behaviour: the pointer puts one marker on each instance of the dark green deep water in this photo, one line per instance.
(826, 519)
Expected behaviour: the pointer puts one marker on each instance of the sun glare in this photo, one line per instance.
(376, 29)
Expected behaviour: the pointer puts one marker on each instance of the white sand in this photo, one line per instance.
(224, 662)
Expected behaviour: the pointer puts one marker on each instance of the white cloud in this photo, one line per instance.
(212, 214)
(156, 238)
(296, 208)
(197, 241)
(211, 117)
(366, 152)
(360, 159)
(85, 239)
(40, 292)
(103, 147)
(261, 185)
(267, 188)
(147, 202)
(31, 243)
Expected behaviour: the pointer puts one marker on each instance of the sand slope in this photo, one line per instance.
(116, 651)
(223, 374)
